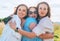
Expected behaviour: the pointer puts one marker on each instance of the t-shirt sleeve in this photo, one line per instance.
(38, 30)
(17, 20)
(48, 25)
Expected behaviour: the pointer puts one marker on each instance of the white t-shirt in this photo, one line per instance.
(17, 20)
(45, 25)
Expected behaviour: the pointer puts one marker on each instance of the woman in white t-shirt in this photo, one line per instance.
(8, 33)
(40, 29)
(45, 24)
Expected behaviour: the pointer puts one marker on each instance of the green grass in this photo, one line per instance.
(57, 32)
(1, 27)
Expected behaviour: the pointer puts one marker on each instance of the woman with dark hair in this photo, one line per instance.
(45, 24)
(30, 23)
(8, 33)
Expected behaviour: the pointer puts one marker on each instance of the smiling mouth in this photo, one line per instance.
(33, 16)
(21, 14)
(42, 13)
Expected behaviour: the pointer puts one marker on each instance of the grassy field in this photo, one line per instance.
(56, 30)
(1, 27)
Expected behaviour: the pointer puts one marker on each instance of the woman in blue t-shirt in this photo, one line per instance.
(30, 23)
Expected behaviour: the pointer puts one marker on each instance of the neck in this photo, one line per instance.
(22, 19)
(42, 17)
(22, 22)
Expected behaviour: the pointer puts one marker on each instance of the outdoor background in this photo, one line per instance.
(7, 8)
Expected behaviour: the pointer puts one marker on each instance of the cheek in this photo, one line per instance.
(36, 15)
(45, 12)
(19, 15)
(39, 11)
(18, 12)
(24, 13)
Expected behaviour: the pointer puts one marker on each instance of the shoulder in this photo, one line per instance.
(30, 19)
(47, 22)
(45, 19)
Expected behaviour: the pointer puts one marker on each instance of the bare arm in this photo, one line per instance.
(46, 36)
(32, 34)
(29, 34)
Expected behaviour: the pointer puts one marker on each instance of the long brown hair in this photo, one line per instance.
(19, 6)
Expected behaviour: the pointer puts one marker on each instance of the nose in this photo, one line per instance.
(42, 11)
(21, 12)
(33, 14)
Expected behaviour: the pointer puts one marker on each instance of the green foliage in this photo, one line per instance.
(56, 32)
(5, 19)
(1, 20)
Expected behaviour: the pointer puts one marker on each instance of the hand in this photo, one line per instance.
(12, 25)
(46, 36)
(51, 35)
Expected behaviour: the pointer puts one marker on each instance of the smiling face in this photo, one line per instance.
(32, 12)
(22, 12)
(42, 10)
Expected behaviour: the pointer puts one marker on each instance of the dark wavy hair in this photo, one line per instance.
(32, 7)
(48, 13)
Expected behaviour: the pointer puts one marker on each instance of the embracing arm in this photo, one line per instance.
(46, 36)
(29, 34)
(32, 34)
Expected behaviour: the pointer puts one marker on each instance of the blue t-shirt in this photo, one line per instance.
(28, 21)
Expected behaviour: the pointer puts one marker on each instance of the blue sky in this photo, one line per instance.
(7, 7)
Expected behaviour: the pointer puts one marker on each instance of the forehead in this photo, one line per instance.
(32, 9)
(22, 7)
(43, 5)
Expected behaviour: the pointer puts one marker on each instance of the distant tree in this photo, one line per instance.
(1, 20)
